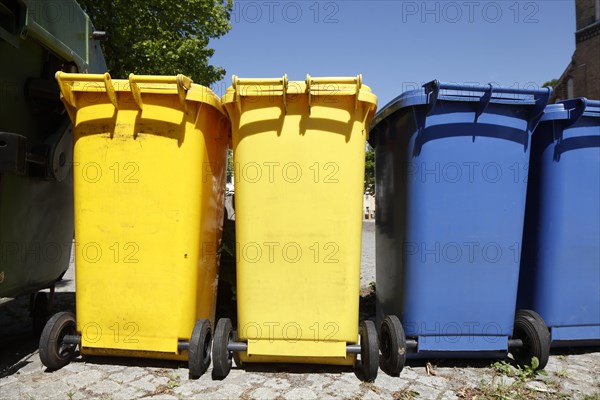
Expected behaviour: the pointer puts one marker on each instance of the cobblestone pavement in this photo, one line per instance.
(569, 374)
(367, 262)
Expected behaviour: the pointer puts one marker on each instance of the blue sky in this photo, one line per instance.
(398, 45)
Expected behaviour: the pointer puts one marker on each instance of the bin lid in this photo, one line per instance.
(179, 85)
(314, 86)
(436, 90)
(572, 109)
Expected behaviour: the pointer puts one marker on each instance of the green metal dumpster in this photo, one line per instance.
(38, 38)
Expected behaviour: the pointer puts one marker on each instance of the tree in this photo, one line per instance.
(229, 164)
(370, 171)
(551, 83)
(161, 37)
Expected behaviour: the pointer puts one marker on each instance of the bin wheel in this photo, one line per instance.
(54, 354)
(39, 313)
(532, 330)
(221, 356)
(392, 343)
(199, 351)
(369, 351)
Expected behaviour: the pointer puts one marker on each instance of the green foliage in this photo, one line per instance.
(504, 368)
(229, 164)
(370, 171)
(551, 83)
(405, 394)
(160, 37)
(530, 371)
(522, 373)
(595, 396)
(562, 373)
(493, 390)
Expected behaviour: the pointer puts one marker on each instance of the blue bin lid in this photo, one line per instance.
(572, 109)
(435, 90)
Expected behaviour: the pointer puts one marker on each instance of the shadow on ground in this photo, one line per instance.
(16, 337)
(131, 362)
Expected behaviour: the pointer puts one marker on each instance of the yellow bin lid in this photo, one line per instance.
(312, 86)
(180, 84)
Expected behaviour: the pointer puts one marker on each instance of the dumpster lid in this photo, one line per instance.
(435, 90)
(70, 38)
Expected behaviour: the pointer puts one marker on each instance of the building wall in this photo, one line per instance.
(368, 207)
(585, 13)
(582, 76)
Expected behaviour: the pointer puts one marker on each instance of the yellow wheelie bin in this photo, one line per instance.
(299, 151)
(149, 177)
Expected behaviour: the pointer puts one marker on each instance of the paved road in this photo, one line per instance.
(569, 374)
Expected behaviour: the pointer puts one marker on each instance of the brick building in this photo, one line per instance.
(582, 76)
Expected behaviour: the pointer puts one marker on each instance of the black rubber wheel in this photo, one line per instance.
(39, 313)
(54, 354)
(221, 356)
(533, 332)
(369, 351)
(199, 351)
(537, 317)
(392, 344)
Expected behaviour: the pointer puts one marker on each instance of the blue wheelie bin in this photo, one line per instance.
(560, 267)
(451, 168)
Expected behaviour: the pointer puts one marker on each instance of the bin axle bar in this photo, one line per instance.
(237, 346)
(353, 349)
(241, 347)
(183, 346)
(72, 339)
(515, 343)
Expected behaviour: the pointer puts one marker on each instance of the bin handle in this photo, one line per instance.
(433, 88)
(436, 85)
(540, 96)
(575, 108)
(136, 92)
(593, 103)
(283, 82)
(183, 85)
(237, 82)
(67, 90)
(357, 80)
